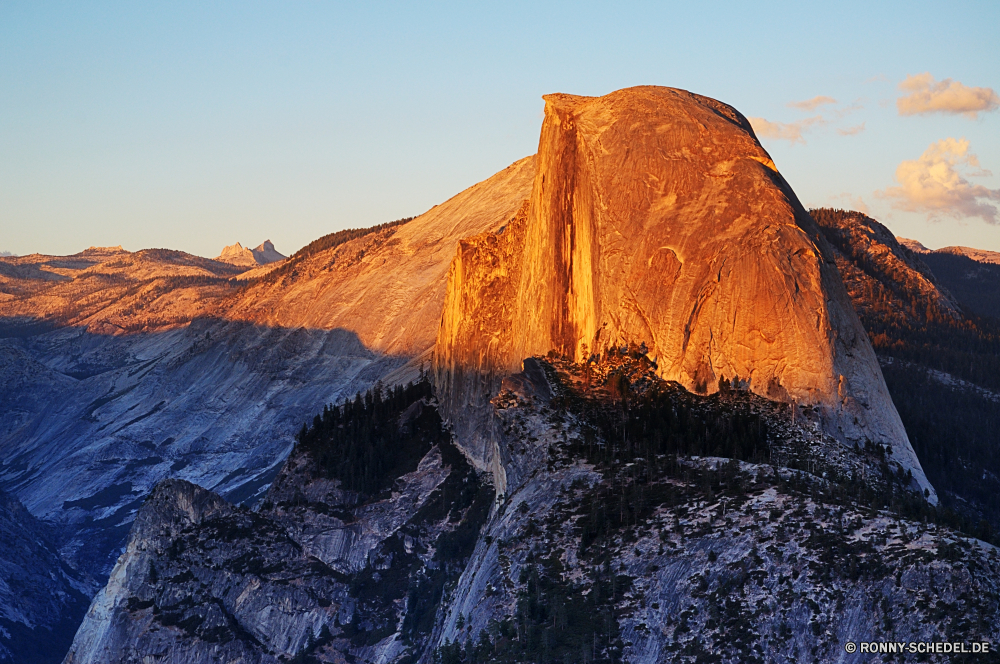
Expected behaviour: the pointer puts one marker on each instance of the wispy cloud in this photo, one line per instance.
(852, 202)
(793, 132)
(847, 110)
(933, 184)
(947, 96)
(6, 254)
(812, 104)
(782, 131)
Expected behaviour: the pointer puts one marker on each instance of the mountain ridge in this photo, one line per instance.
(109, 384)
(584, 555)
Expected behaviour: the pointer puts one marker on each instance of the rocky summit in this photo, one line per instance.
(613, 404)
(656, 217)
(237, 254)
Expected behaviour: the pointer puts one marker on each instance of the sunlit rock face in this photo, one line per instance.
(656, 217)
(263, 254)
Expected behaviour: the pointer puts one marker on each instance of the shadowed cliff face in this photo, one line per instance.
(42, 599)
(92, 422)
(656, 217)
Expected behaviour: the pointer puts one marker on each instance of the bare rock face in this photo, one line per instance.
(656, 217)
(218, 602)
(475, 345)
(237, 254)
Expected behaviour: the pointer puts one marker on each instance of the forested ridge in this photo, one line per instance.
(369, 441)
(325, 243)
(955, 430)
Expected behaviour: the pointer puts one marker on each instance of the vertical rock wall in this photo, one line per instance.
(474, 345)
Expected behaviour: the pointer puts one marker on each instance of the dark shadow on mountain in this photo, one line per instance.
(89, 423)
(38, 587)
(976, 285)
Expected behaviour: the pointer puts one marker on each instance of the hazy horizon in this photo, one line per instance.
(194, 127)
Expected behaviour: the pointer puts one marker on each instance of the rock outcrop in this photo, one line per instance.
(319, 573)
(657, 218)
(237, 254)
(600, 550)
(212, 601)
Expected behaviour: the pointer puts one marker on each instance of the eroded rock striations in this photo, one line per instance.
(656, 217)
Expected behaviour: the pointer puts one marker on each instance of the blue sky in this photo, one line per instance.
(196, 125)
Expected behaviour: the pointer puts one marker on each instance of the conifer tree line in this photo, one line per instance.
(326, 242)
(363, 442)
(634, 418)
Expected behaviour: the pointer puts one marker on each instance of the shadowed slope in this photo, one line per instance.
(208, 379)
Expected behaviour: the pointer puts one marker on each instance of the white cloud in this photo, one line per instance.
(947, 96)
(782, 131)
(852, 131)
(933, 184)
(852, 202)
(812, 104)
